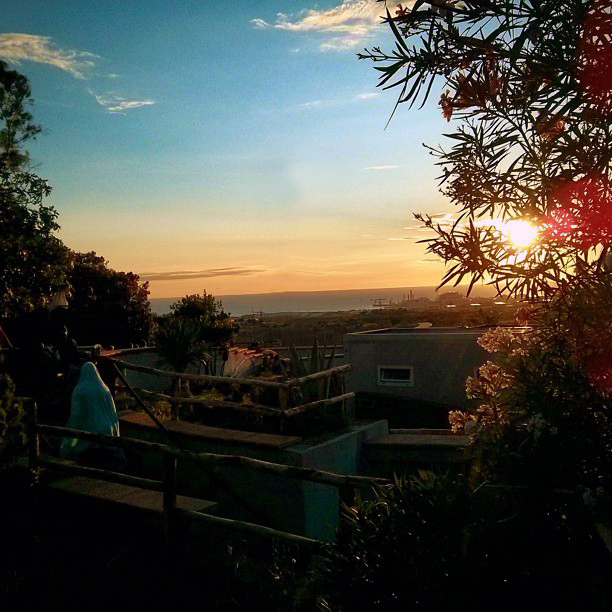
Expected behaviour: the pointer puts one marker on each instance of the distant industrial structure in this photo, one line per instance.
(448, 299)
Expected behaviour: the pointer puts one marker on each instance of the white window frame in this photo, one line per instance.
(395, 383)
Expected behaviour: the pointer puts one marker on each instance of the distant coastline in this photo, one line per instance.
(319, 301)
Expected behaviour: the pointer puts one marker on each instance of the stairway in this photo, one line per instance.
(409, 449)
(124, 496)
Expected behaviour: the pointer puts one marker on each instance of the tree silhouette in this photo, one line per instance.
(529, 85)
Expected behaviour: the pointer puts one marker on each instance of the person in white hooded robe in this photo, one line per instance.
(92, 409)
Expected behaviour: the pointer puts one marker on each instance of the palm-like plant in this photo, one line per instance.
(179, 344)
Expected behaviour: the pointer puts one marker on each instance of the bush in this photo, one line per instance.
(12, 420)
(432, 542)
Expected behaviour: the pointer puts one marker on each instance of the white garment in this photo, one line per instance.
(91, 409)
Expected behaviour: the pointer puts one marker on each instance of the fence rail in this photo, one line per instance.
(286, 390)
(345, 484)
(217, 460)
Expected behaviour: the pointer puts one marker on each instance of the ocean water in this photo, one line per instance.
(318, 301)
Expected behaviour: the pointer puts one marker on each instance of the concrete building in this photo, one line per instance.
(423, 365)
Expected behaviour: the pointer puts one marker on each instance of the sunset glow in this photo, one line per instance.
(521, 233)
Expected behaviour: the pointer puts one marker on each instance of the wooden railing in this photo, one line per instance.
(287, 406)
(346, 484)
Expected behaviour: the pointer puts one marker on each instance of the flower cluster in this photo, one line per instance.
(498, 340)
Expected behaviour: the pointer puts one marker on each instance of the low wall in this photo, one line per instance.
(304, 508)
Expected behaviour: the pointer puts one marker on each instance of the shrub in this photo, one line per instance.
(12, 420)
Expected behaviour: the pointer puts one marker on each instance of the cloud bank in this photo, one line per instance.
(188, 274)
(32, 48)
(345, 26)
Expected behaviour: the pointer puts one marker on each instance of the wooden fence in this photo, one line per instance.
(288, 405)
(346, 484)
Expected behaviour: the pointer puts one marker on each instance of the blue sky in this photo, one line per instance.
(232, 148)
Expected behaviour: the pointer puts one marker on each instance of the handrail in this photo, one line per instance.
(284, 390)
(314, 405)
(296, 382)
(197, 377)
(286, 471)
(199, 401)
(256, 382)
(317, 545)
(250, 408)
(217, 480)
(99, 474)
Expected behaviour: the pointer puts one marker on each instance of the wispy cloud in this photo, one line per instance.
(381, 167)
(312, 104)
(117, 104)
(190, 274)
(340, 102)
(260, 24)
(345, 25)
(18, 47)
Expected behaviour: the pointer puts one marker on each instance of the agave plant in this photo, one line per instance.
(318, 361)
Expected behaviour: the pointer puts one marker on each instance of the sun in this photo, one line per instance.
(520, 233)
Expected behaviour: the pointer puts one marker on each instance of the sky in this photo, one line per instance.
(234, 148)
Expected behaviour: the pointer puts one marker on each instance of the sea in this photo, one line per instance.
(319, 301)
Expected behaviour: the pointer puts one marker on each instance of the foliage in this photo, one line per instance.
(179, 343)
(106, 306)
(543, 408)
(421, 542)
(530, 83)
(318, 361)
(18, 126)
(217, 327)
(33, 258)
(12, 420)
(399, 548)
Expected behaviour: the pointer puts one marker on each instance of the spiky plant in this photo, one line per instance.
(318, 361)
(179, 344)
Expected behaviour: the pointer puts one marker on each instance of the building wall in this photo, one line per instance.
(305, 508)
(441, 363)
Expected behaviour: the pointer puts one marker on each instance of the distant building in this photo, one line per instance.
(452, 298)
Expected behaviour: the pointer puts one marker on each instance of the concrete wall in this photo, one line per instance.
(304, 508)
(441, 362)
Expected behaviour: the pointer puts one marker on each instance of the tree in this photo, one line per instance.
(18, 126)
(528, 171)
(106, 306)
(530, 82)
(216, 326)
(32, 258)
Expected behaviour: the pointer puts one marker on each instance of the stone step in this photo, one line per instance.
(126, 496)
(417, 448)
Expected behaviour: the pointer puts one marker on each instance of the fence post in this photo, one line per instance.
(347, 494)
(282, 398)
(170, 467)
(34, 442)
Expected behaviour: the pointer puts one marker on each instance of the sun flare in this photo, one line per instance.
(520, 233)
